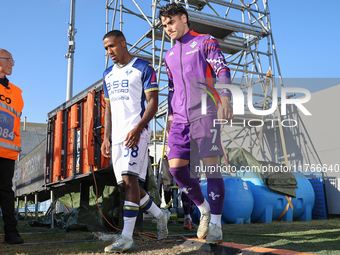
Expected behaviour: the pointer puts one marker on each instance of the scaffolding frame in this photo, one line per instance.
(243, 30)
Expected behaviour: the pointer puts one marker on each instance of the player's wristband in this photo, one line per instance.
(225, 93)
(170, 118)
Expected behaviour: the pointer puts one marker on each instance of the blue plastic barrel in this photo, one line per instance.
(305, 198)
(238, 201)
(269, 206)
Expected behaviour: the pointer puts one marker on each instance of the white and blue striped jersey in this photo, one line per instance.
(125, 87)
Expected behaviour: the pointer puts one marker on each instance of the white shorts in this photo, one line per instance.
(131, 161)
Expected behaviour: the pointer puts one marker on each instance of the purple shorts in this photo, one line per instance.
(199, 138)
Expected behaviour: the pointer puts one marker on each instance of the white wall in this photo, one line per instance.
(314, 140)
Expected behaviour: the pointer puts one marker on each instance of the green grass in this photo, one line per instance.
(317, 237)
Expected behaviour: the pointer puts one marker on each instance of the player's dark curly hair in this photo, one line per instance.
(115, 33)
(173, 9)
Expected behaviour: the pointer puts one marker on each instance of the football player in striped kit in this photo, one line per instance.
(131, 94)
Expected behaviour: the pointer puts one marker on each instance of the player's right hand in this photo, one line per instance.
(105, 148)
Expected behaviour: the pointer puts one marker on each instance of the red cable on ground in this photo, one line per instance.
(151, 236)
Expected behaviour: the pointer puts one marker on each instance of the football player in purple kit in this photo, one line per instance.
(193, 64)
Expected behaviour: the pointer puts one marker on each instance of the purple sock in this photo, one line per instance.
(186, 204)
(192, 209)
(188, 183)
(216, 192)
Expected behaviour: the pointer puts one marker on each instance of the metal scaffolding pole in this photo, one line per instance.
(71, 47)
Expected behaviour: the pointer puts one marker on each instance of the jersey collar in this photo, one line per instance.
(120, 67)
(187, 37)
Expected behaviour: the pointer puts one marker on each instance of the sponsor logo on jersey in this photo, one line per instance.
(214, 148)
(213, 195)
(193, 44)
(117, 91)
(192, 51)
(133, 163)
(128, 72)
(120, 98)
(108, 76)
(171, 53)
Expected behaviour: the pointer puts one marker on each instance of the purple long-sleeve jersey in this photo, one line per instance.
(194, 60)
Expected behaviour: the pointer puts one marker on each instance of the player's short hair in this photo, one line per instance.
(173, 9)
(114, 33)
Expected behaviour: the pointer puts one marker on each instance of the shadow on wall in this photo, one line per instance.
(312, 148)
(302, 152)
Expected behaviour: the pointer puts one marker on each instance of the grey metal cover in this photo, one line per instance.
(29, 172)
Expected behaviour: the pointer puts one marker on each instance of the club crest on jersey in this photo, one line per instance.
(193, 44)
(128, 72)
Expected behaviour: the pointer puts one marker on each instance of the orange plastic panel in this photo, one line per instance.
(88, 133)
(74, 114)
(57, 147)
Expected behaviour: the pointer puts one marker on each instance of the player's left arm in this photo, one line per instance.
(216, 60)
